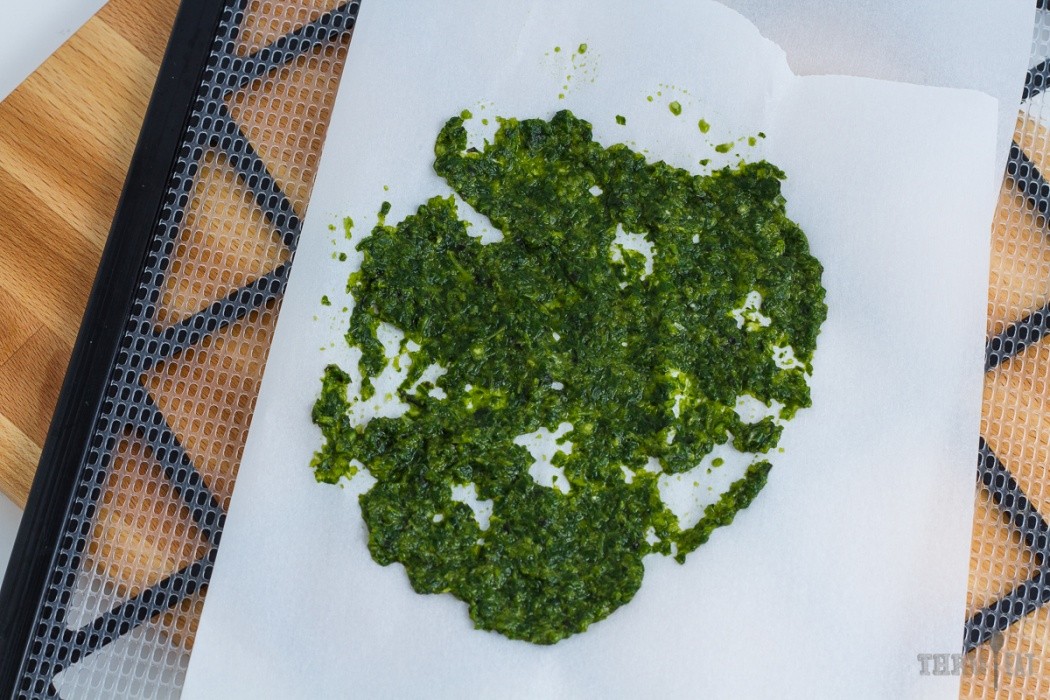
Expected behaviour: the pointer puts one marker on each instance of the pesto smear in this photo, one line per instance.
(643, 350)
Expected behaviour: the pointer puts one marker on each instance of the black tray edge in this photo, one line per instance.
(108, 309)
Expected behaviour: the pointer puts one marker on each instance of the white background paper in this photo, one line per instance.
(854, 557)
(975, 44)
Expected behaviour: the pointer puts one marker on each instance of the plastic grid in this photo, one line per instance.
(1007, 633)
(128, 584)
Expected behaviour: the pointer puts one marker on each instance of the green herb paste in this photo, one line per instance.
(561, 323)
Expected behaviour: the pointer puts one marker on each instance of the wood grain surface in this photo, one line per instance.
(66, 139)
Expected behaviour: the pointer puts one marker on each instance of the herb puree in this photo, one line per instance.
(643, 354)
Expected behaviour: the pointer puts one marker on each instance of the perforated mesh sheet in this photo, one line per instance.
(1007, 635)
(129, 583)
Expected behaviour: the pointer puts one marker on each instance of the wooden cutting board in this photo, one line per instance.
(66, 138)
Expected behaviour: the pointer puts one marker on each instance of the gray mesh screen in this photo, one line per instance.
(129, 583)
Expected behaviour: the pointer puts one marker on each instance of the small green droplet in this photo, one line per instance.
(325, 301)
(724, 147)
(331, 227)
(557, 49)
(717, 462)
(485, 122)
(465, 115)
(386, 188)
(583, 48)
(705, 161)
(342, 257)
(704, 126)
(650, 98)
(761, 134)
(751, 140)
(348, 226)
(620, 119)
(675, 107)
(561, 96)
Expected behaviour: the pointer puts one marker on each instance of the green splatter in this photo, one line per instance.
(557, 324)
(582, 49)
(724, 147)
(704, 126)
(620, 119)
(675, 107)
(325, 301)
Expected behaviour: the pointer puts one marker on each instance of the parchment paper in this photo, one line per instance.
(850, 562)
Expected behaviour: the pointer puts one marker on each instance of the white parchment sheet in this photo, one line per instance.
(853, 559)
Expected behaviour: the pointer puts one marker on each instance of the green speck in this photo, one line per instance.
(557, 49)
(724, 147)
(620, 119)
(582, 49)
(704, 126)
(342, 257)
(331, 227)
(348, 227)
(649, 97)
(751, 141)
(325, 301)
(705, 161)
(717, 462)
(761, 134)
(675, 107)
(485, 121)
(465, 115)
(386, 188)
(552, 301)
(561, 96)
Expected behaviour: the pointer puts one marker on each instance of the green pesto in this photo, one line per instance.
(704, 126)
(675, 107)
(724, 147)
(554, 325)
